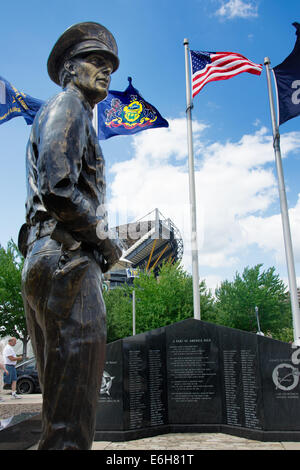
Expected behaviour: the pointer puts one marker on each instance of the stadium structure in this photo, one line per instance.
(148, 243)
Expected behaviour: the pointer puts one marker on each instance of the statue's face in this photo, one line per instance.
(91, 74)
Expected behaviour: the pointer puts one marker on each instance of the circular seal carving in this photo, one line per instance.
(285, 377)
(106, 383)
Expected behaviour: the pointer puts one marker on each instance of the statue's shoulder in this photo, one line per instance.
(64, 99)
(63, 104)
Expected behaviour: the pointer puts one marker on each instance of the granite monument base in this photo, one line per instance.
(195, 376)
(20, 432)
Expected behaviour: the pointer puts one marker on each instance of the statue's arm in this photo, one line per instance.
(62, 146)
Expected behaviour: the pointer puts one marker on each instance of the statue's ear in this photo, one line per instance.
(69, 66)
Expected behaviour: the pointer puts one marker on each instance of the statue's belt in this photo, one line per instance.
(53, 229)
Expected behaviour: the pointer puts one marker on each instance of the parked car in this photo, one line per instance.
(27, 378)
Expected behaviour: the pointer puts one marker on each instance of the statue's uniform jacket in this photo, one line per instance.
(66, 313)
(65, 167)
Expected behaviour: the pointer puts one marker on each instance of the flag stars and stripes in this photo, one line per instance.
(213, 66)
(200, 61)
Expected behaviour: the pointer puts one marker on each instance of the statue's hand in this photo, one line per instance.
(109, 254)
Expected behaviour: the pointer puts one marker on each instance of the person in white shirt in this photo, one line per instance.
(10, 360)
(2, 368)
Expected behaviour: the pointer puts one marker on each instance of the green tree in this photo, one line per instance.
(168, 298)
(236, 302)
(12, 316)
(160, 301)
(118, 303)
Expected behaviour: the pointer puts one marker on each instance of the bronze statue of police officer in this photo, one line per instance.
(64, 240)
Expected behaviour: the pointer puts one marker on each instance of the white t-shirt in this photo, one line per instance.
(9, 351)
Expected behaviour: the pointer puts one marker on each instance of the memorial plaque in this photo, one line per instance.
(136, 393)
(157, 377)
(194, 389)
(242, 396)
(280, 371)
(110, 414)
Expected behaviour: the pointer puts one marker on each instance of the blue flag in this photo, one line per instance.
(14, 103)
(126, 113)
(288, 83)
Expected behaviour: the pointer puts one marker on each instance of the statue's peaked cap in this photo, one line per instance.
(78, 39)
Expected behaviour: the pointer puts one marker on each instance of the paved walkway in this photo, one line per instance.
(27, 404)
(172, 441)
(195, 441)
(192, 441)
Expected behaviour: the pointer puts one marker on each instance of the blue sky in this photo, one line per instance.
(238, 210)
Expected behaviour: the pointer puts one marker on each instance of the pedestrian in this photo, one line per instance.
(2, 368)
(10, 361)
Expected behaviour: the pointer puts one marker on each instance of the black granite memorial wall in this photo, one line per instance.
(198, 376)
(194, 387)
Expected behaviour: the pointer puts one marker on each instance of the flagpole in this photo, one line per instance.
(133, 313)
(194, 244)
(95, 118)
(284, 213)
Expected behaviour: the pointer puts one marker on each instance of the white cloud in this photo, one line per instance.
(235, 188)
(212, 282)
(237, 9)
(267, 233)
(166, 142)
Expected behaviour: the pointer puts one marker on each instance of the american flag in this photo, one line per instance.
(212, 66)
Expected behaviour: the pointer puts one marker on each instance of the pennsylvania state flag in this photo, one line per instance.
(126, 113)
(14, 103)
(288, 83)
